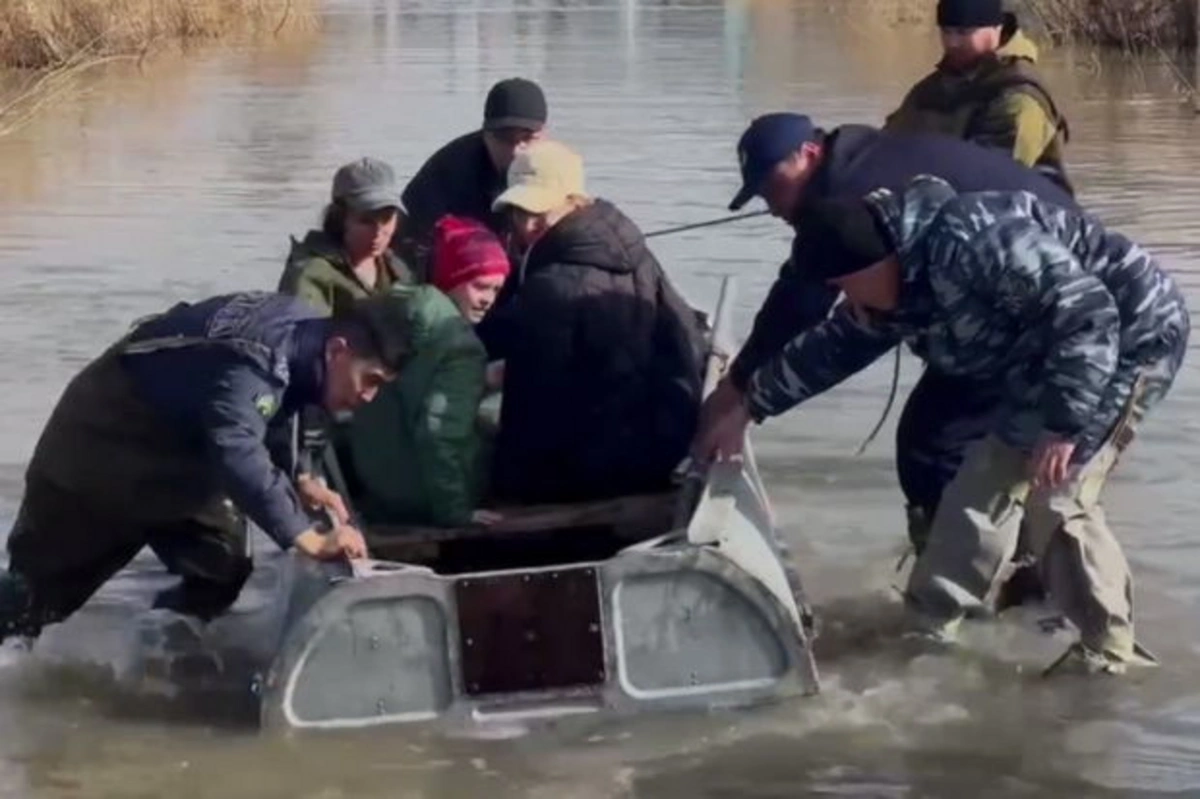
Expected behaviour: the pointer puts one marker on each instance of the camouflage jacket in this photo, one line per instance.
(1001, 287)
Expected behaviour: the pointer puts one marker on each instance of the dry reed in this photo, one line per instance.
(56, 34)
(1133, 25)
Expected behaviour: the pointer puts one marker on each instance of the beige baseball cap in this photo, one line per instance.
(541, 178)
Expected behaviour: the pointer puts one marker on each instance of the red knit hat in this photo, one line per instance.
(463, 250)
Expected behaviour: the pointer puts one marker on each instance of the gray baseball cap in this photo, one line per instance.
(366, 185)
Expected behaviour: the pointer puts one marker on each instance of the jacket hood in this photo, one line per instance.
(908, 216)
(1020, 46)
(432, 316)
(597, 235)
(316, 244)
(843, 148)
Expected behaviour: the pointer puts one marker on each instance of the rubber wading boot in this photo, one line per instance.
(17, 615)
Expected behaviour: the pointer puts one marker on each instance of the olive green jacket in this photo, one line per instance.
(1000, 103)
(317, 272)
(416, 449)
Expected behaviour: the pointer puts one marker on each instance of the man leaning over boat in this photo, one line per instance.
(790, 162)
(1080, 330)
(176, 430)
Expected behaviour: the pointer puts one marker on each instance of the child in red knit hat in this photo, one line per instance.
(469, 265)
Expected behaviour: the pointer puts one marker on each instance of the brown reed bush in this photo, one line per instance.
(50, 34)
(1132, 25)
(1128, 24)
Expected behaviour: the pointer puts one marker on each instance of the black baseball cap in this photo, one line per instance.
(769, 139)
(515, 103)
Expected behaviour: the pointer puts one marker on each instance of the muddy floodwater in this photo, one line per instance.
(187, 180)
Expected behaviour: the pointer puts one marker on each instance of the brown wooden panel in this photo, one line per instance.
(528, 632)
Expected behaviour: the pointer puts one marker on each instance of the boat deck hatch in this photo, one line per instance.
(530, 632)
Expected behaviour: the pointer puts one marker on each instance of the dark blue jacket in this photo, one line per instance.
(859, 159)
(227, 374)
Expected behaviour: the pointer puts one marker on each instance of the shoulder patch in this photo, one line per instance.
(266, 404)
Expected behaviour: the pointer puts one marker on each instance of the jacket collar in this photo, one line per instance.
(306, 362)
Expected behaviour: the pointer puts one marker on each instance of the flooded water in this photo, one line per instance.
(188, 179)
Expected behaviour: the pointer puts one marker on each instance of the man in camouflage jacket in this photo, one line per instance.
(1076, 329)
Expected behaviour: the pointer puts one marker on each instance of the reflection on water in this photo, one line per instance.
(187, 180)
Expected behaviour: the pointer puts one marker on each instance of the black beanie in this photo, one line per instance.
(841, 237)
(970, 13)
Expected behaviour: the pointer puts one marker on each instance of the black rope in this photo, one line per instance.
(887, 409)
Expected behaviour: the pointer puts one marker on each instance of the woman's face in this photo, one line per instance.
(369, 233)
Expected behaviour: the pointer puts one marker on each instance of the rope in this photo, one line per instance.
(725, 220)
(887, 409)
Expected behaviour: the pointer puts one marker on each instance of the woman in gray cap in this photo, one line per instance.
(348, 258)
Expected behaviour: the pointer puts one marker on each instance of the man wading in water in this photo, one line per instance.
(791, 163)
(987, 90)
(188, 409)
(1078, 331)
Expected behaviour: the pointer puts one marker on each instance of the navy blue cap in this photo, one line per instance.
(769, 139)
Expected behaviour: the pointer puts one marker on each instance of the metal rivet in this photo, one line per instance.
(470, 642)
(593, 628)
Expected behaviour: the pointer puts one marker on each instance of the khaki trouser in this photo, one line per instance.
(976, 530)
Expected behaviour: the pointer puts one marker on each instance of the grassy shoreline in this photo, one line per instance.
(63, 34)
(46, 44)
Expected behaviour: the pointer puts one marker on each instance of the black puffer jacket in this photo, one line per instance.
(602, 380)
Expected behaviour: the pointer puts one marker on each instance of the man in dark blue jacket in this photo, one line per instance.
(789, 162)
(172, 431)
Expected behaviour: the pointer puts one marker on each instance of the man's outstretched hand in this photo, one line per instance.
(343, 541)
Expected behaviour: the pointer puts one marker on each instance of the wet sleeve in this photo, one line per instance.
(447, 436)
(236, 414)
(1019, 124)
(815, 362)
(1035, 277)
(792, 306)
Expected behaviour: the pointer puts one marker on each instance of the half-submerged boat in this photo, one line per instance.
(683, 600)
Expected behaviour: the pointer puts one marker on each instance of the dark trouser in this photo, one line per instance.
(63, 549)
(943, 416)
